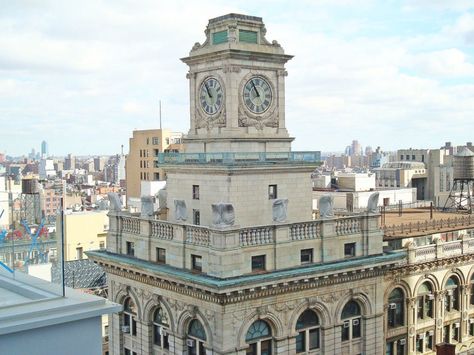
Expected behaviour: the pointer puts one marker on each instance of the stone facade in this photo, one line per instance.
(270, 280)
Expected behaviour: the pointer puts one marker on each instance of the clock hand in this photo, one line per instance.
(208, 91)
(255, 88)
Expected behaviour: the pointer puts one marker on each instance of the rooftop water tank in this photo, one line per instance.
(464, 165)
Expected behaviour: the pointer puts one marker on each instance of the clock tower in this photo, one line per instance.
(237, 89)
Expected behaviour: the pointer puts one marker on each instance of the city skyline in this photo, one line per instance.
(84, 80)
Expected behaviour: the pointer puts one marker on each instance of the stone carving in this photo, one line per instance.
(115, 203)
(147, 208)
(280, 209)
(262, 311)
(196, 46)
(232, 33)
(162, 198)
(325, 205)
(372, 206)
(180, 211)
(268, 119)
(192, 310)
(208, 122)
(223, 214)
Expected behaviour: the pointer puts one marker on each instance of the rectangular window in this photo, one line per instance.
(156, 176)
(247, 36)
(407, 157)
(258, 263)
(156, 152)
(412, 157)
(195, 192)
(102, 245)
(349, 250)
(161, 255)
(401, 157)
(272, 192)
(196, 261)
(147, 140)
(196, 217)
(155, 141)
(306, 256)
(219, 37)
(130, 249)
(79, 253)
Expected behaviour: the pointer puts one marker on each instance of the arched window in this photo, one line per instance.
(425, 301)
(197, 337)
(396, 308)
(259, 338)
(451, 298)
(129, 316)
(472, 289)
(351, 317)
(160, 328)
(307, 327)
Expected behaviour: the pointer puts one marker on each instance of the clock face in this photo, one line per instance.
(211, 96)
(257, 95)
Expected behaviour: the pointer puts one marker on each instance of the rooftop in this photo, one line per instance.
(418, 221)
(27, 303)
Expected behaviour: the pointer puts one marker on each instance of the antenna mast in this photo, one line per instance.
(160, 114)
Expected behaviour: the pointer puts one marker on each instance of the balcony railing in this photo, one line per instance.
(237, 158)
(440, 250)
(427, 227)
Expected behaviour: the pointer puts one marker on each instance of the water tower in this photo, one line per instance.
(460, 196)
(30, 201)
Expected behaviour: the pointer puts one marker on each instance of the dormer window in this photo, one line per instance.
(219, 37)
(247, 36)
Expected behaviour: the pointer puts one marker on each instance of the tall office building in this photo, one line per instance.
(44, 149)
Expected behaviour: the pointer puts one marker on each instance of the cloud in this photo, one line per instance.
(444, 63)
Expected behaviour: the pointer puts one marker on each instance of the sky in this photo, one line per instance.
(82, 75)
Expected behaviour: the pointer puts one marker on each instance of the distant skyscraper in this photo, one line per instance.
(44, 149)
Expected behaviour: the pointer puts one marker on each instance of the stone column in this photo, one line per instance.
(439, 315)
(464, 310)
(329, 339)
(146, 336)
(411, 323)
(281, 346)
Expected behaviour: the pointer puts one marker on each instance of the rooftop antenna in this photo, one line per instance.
(122, 148)
(160, 114)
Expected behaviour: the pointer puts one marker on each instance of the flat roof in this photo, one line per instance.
(421, 222)
(27, 302)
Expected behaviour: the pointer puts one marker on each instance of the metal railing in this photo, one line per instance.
(239, 158)
(428, 226)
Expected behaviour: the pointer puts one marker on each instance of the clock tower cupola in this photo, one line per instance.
(237, 89)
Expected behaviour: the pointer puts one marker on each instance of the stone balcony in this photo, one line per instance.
(227, 252)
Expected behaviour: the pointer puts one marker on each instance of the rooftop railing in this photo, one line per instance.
(239, 158)
(439, 250)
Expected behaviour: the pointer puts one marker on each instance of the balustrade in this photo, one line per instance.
(256, 236)
(197, 235)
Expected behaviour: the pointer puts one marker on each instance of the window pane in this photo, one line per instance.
(266, 347)
(313, 339)
(156, 334)
(344, 333)
(252, 349)
(356, 328)
(300, 342)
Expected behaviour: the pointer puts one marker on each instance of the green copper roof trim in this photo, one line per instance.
(275, 275)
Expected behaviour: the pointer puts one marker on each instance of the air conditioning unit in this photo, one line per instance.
(125, 329)
(431, 297)
(392, 306)
(355, 322)
(456, 325)
(431, 332)
(403, 341)
(347, 324)
(421, 336)
(190, 343)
